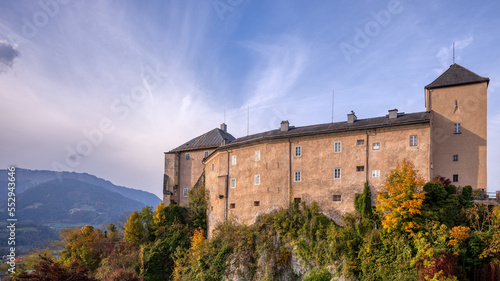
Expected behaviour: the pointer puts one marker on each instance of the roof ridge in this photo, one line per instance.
(210, 139)
(456, 75)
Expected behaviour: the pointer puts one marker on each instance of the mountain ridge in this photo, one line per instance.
(27, 178)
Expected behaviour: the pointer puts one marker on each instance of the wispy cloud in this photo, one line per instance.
(445, 54)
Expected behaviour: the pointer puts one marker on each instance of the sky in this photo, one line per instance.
(106, 87)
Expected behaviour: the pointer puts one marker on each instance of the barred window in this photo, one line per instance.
(336, 173)
(337, 147)
(298, 151)
(413, 140)
(298, 176)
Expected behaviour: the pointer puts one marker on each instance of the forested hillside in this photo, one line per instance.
(415, 231)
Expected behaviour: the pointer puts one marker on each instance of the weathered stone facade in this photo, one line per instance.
(235, 193)
(329, 163)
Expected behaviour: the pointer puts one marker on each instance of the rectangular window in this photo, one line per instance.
(185, 192)
(455, 178)
(233, 183)
(360, 142)
(257, 180)
(188, 156)
(337, 198)
(455, 157)
(337, 147)
(213, 167)
(233, 160)
(298, 151)
(413, 140)
(297, 176)
(296, 200)
(360, 168)
(256, 203)
(336, 173)
(206, 154)
(376, 146)
(232, 206)
(257, 155)
(457, 128)
(212, 189)
(375, 173)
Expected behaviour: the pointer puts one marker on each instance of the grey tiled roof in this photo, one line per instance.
(360, 124)
(456, 75)
(211, 139)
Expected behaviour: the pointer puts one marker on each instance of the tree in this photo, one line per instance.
(363, 202)
(49, 270)
(401, 199)
(198, 205)
(86, 245)
(159, 217)
(147, 218)
(135, 233)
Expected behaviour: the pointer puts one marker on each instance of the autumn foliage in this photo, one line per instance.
(401, 199)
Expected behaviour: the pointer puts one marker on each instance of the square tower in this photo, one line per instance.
(457, 101)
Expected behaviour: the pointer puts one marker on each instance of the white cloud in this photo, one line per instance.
(445, 54)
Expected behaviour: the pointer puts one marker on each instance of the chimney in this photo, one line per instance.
(223, 127)
(284, 126)
(393, 113)
(351, 118)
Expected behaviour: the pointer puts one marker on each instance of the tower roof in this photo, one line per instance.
(456, 75)
(211, 139)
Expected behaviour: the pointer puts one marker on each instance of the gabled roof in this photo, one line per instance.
(456, 75)
(360, 124)
(212, 139)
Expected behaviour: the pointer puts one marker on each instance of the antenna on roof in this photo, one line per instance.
(333, 102)
(248, 120)
(453, 52)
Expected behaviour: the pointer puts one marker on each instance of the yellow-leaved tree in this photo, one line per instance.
(401, 199)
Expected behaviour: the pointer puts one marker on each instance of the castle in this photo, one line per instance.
(329, 163)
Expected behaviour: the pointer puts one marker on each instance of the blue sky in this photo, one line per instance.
(105, 87)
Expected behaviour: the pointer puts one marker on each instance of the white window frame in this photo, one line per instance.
(337, 147)
(297, 176)
(413, 140)
(257, 155)
(256, 180)
(188, 156)
(337, 173)
(233, 183)
(375, 173)
(206, 153)
(185, 192)
(233, 160)
(457, 128)
(375, 146)
(297, 151)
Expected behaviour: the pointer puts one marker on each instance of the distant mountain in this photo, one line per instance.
(69, 202)
(26, 179)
